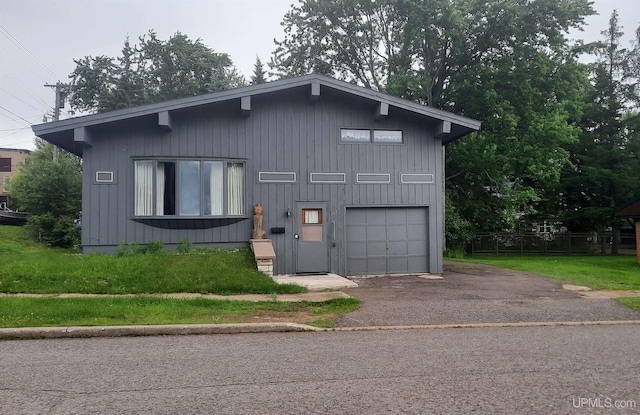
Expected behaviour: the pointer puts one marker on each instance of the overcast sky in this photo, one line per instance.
(40, 38)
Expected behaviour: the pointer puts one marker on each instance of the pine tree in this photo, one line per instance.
(259, 75)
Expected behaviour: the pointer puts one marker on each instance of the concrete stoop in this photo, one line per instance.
(317, 282)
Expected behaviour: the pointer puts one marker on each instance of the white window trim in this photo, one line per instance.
(360, 178)
(405, 178)
(312, 178)
(109, 180)
(261, 180)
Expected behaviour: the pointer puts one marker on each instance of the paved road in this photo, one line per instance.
(534, 370)
(474, 293)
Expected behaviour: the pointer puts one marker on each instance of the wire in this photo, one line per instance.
(16, 115)
(16, 132)
(26, 51)
(24, 64)
(26, 89)
(23, 101)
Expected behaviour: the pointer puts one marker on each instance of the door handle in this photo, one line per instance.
(296, 236)
(333, 234)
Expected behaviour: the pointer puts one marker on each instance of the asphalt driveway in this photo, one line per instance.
(473, 293)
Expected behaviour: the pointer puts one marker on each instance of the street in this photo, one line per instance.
(532, 370)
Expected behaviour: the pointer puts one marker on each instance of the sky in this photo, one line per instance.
(40, 38)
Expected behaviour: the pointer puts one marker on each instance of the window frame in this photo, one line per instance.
(177, 188)
(6, 164)
(372, 140)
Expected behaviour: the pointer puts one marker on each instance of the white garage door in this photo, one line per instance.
(387, 240)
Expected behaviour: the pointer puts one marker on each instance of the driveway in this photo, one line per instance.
(473, 293)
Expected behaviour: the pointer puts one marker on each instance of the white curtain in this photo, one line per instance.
(311, 216)
(143, 205)
(235, 188)
(160, 183)
(214, 190)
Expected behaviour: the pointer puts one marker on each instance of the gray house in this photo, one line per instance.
(350, 179)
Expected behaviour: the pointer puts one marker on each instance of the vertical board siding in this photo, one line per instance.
(284, 132)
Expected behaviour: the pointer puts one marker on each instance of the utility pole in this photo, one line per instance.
(60, 97)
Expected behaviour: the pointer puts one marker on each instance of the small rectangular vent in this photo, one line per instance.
(276, 177)
(416, 178)
(373, 178)
(104, 177)
(327, 177)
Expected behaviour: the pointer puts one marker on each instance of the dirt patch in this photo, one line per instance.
(301, 317)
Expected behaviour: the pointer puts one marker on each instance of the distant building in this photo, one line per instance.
(10, 161)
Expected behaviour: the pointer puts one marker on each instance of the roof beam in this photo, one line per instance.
(81, 136)
(382, 110)
(164, 120)
(245, 106)
(315, 91)
(442, 128)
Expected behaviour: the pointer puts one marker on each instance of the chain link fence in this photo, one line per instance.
(550, 243)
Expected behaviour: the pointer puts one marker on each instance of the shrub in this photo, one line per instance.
(184, 246)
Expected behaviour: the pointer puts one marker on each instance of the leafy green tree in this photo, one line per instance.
(505, 62)
(51, 193)
(259, 75)
(152, 71)
(604, 170)
(414, 48)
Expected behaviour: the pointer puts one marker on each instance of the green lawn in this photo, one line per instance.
(28, 267)
(631, 302)
(143, 310)
(620, 272)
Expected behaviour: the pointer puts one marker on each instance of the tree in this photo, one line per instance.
(603, 173)
(152, 71)
(52, 194)
(259, 76)
(505, 62)
(414, 48)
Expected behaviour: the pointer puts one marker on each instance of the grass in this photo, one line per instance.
(631, 302)
(144, 310)
(28, 267)
(620, 272)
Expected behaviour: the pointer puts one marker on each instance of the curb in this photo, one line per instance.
(490, 325)
(193, 329)
(159, 330)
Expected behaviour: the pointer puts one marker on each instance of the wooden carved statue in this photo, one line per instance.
(258, 233)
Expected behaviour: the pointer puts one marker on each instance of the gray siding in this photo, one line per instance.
(285, 132)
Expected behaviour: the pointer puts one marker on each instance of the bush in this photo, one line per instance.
(133, 248)
(51, 193)
(458, 231)
(184, 246)
(54, 231)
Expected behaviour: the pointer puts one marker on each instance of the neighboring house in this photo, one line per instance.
(10, 161)
(631, 210)
(350, 179)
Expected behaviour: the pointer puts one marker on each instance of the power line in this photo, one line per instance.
(21, 100)
(26, 51)
(16, 115)
(15, 132)
(26, 89)
(24, 64)
(36, 117)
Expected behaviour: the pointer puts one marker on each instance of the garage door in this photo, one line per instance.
(387, 241)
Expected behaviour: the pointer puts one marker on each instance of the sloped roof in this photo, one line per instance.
(630, 210)
(61, 132)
